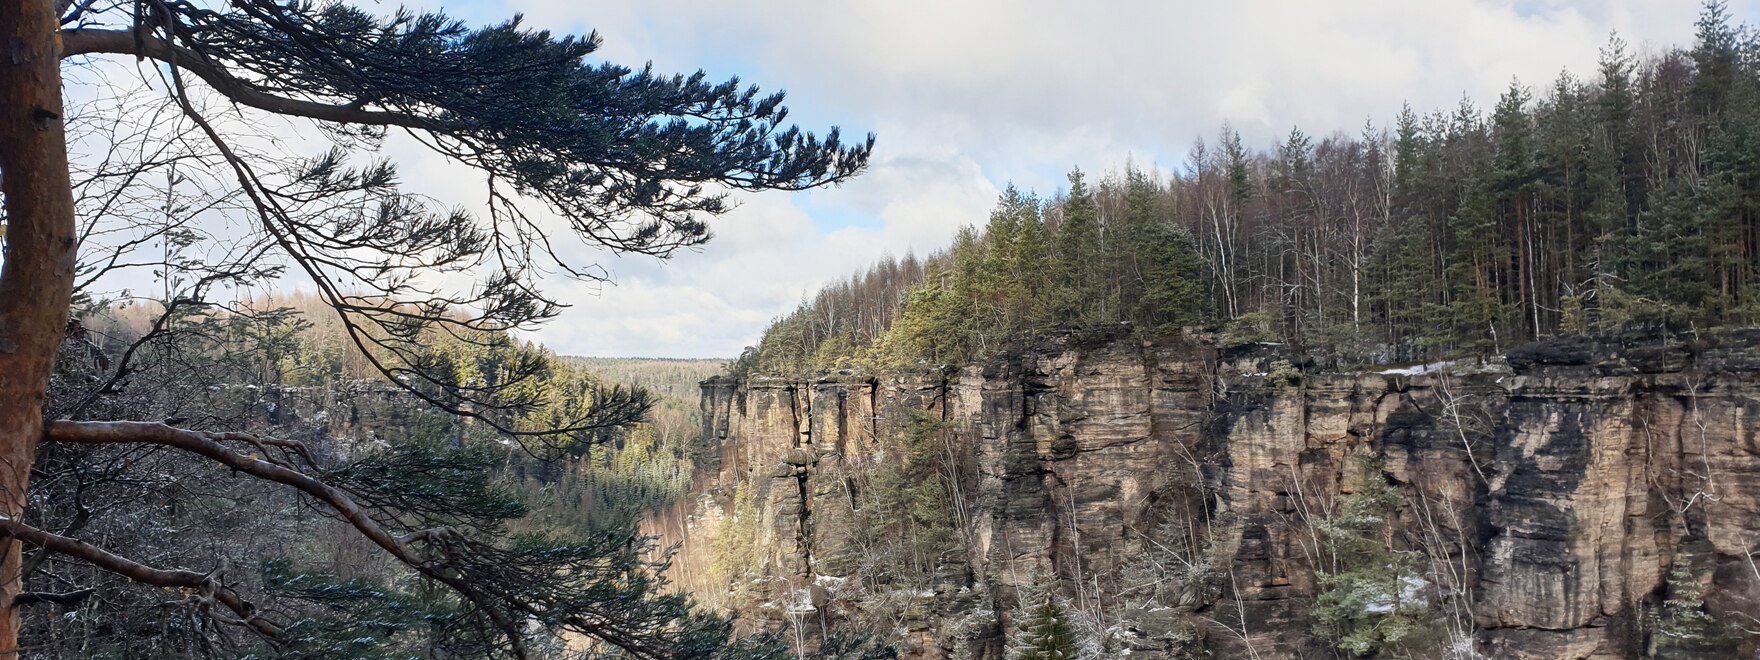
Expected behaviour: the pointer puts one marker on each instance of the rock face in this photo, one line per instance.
(1545, 501)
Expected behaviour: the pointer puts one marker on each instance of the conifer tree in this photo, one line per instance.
(1043, 631)
(1683, 621)
(1012, 278)
(1077, 290)
(1716, 58)
(1511, 185)
(1171, 288)
(1633, 197)
(1475, 315)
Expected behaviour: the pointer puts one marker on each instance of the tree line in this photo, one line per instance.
(1627, 198)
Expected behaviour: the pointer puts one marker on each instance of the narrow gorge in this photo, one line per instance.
(1190, 499)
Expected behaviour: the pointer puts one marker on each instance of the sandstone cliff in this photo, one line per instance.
(1187, 499)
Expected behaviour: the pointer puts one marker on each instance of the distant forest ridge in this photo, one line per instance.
(673, 383)
(1627, 197)
(665, 374)
(585, 360)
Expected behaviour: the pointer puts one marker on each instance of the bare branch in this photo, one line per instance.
(69, 598)
(210, 445)
(203, 584)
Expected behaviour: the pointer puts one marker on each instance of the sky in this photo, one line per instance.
(968, 96)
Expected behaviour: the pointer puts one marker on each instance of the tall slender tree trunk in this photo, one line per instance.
(36, 282)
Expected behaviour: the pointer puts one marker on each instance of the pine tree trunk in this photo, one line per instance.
(37, 279)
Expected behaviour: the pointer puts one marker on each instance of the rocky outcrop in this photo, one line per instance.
(1544, 501)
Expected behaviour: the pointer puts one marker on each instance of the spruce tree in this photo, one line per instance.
(1013, 276)
(1043, 630)
(1174, 292)
(1683, 621)
(1077, 246)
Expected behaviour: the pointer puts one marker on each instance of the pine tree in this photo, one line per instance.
(1618, 160)
(1159, 275)
(1716, 58)
(1365, 606)
(937, 322)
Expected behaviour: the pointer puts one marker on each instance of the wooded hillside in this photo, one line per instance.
(1630, 195)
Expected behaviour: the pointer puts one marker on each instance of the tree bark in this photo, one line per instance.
(36, 282)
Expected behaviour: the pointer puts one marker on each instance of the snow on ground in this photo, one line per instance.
(1418, 369)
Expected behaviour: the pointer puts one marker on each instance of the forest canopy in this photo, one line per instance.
(1629, 196)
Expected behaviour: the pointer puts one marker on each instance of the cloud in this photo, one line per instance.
(766, 256)
(968, 96)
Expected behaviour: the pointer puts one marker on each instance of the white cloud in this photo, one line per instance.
(766, 256)
(969, 95)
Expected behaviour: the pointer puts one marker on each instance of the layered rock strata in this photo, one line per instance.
(1547, 497)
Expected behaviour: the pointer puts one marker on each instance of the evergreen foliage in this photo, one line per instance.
(1043, 631)
(1630, 198)
(1038, 266)
(1369, 600)
(1683, 622)
(1077, 281)
(736, 552)
(900, 517)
